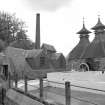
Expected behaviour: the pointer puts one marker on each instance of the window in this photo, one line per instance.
(5, 71)
(42, 61)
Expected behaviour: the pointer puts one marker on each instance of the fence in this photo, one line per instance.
(65, 86)
(68, 95)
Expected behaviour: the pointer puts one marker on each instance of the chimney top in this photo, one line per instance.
(38, 14)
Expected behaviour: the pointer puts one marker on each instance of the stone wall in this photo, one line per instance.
(75, 64)
(97, 63)
(101, 63)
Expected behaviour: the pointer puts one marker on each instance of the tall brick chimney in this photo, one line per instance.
(37, 42)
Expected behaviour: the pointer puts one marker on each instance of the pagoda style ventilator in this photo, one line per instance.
(74, 57)
(91, 55)
(97, 47)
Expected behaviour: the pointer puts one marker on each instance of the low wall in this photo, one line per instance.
(20, 99)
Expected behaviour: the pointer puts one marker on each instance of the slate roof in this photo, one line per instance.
(99, 25)
(48, 47)
(80, 48)
(83, 30)
(97, 47)
(18, 64)
(33, 53)
(55, 56)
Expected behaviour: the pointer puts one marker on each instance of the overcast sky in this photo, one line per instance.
(60, 19)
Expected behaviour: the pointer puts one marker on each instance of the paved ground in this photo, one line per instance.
(91, 79)
(82, 96)
(57, 95)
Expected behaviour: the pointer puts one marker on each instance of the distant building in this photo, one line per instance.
(19, 64)
(40, 60)
(49, 49)
(74, 58)
(86, 55)
(37, 59)
(57, 60)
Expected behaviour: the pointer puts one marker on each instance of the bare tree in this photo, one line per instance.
(9, 27)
